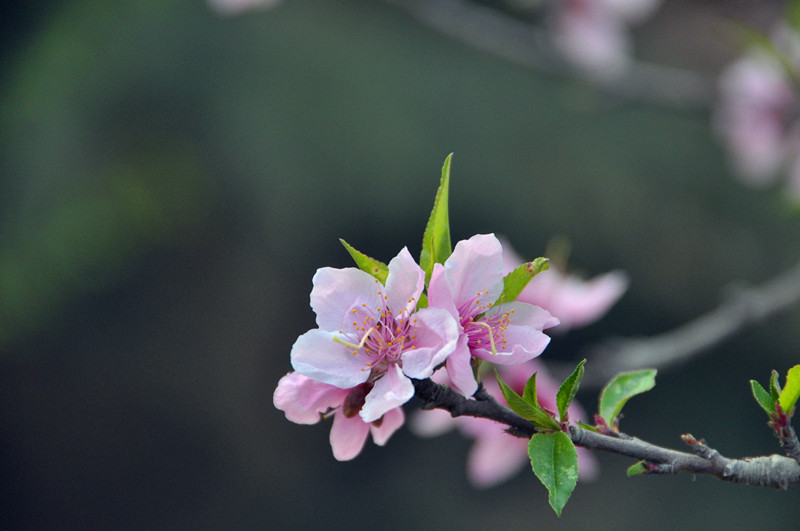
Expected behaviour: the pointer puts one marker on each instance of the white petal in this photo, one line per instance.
(404, 283)
(317, 356)
(337, 291)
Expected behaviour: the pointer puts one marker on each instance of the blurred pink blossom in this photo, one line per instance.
(757, 115)
(594, 35)
(573, 301)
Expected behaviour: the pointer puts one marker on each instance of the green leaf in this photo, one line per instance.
(528, 409)
(775, 386)
(436, 246)
(621, 388)
(638, 468)
(555, 462)
(515, 281)
(791, 390)
(568, 390)
(763, 398)
(369, 265)
(529, 393)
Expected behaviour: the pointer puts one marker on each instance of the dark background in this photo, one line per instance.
(171, 180)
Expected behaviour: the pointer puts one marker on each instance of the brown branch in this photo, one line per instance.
(768, 471)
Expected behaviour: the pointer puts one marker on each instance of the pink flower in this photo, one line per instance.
(495, 455)
(757, 115)
(574, 301)
(306, 401)
(594, 35)
(467, 286)
(371, 339)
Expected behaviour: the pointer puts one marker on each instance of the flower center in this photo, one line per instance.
(484, 332)
(379, 337)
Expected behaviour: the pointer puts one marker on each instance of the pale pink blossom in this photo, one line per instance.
(757, 114)
(574, 301)
(594, 34)
(371, 339)
(306, 401)
(468, 285)
(496, 456)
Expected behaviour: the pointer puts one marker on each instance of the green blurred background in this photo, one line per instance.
(170, 180)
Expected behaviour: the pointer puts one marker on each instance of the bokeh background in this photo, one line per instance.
(171, 179)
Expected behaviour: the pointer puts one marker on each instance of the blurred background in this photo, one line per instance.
(170, 180)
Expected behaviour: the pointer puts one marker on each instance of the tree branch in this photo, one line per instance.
(774, 471)
(742, 308)
(522, 43)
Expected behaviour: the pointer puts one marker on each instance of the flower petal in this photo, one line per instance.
(459, 368)
(476, 265)
(347, 436)
(437, 334)
(304, 399)
(337, 291)
(522, 339)
(431, 423)
(390, 423)
(317, 356)
(404, 283)
(495, 456)
(440, 294)
(391, 390)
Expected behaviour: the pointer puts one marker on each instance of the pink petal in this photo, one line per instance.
(391, 390)
(404, 284)
(390, 423)
(476, 265)
(317, 356)
(437, 335)
(495, 457)
(440, 293)
(337, 291)
(347, 436)
(459, 368)
(431, 423)
(303, 399)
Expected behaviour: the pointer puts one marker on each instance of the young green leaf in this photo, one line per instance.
(526, 408)
(791, 390)
(621, 388)
(436, 246)
(529, 393)
(369, 265)
(763, 398)
(775, 386)
(568, 390)
(638, 468)
(515, 281)
(555, 462)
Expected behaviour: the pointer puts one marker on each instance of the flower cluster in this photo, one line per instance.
(374, 338)
(757, 116)
(495, 455)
